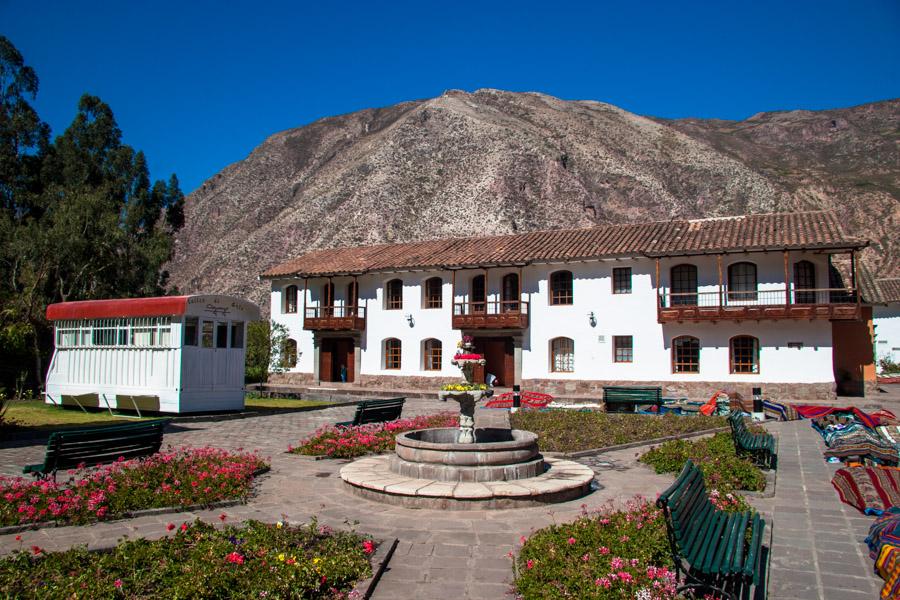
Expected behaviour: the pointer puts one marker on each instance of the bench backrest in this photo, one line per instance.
(647, 395)
(97, 445)
(378, 411)
(688, 510)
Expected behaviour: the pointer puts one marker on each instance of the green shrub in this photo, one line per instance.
(571, 431)
(715, 456)
(257, 560)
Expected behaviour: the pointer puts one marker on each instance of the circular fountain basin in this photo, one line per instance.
(496, 455)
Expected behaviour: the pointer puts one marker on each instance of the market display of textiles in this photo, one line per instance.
(780, 411)
(884, 549)
(871, 490)
(848, 439)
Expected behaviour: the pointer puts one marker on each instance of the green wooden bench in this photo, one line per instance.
(376, 411)
(71, 448)
(710, 547)
(759, 446)
(627, 399)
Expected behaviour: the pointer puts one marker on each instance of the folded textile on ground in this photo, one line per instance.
(881, 417)
(855, 446)
(870, 490)
(854, 431)
(885, 530)
(890, 433)
(780, 411)
(888, 568)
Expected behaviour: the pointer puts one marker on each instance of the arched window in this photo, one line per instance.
(392, 352)
(684, 285)
(433, 293)
(289, 354)
(432, 354)
(562, 355)
(685, 354)
(804, 279)
(477, 295)
(290, 299)
(743, 352)
(561, 288)
(393, 295)
(742, 282)
(352, 298)
(511, 293)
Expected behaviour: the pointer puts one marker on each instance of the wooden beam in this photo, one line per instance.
(305, 289)
(719, 267)
(787, 280)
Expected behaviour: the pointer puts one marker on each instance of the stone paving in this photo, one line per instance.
(817, 549)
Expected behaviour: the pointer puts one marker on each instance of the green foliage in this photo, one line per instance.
(79, 217)
(256, 560)
(571, 431)
(715, 456)
(609, 554)
(888, 367)
(265, 350)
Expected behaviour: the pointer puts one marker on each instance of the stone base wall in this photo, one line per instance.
(291, 379)
(694, 390)
(407, 382)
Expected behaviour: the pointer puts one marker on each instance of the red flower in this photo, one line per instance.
(222, 517)
(36, 549)
(18, 538)
(235, 558)
(184, 527)
(368, 546)
(170, 526)
(117, 583)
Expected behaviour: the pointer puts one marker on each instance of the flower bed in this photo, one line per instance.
(376, 438)
(256, 560)
(605, 554)
(608, 554)
(570, 431)
(179, 477)
(464, 387)
(715, 456)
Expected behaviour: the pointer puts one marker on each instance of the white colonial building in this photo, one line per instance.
(886, 317)
(694, 306)
(172, 354)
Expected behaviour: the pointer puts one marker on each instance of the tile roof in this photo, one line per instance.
(800, 230)
(890, 289)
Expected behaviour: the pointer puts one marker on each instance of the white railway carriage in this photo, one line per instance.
(172, 354)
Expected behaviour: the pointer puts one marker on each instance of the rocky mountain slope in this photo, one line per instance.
(500, 162)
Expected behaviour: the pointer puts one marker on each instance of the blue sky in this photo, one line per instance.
(198, 84)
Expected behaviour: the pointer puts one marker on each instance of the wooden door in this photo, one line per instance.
(326, 350)
(498, 358)
(342, 357)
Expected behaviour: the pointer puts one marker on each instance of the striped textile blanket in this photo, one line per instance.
(890, 433)
(852, 431)
(859, 447)
(881, 417)
(871, 490)
(779, 411)
(888, 568)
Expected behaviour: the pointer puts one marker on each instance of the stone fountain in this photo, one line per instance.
(468, 467)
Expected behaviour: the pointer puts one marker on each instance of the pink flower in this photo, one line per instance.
(617, 563)
(117, 583)
(586, 557)
(624, 538)
(571, 541)
(625, 576)
(222, 517)
(235, 557)
(368, 546)
(529, 564)
(522, 539)
(36, 549)
(604, 550)
(170, 526)
(184, 527)
(603, 581)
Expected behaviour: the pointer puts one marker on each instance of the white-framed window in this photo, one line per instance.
(562, 355)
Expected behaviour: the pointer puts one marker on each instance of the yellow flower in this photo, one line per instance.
(279, 525)
(281, 557)
(317, 560)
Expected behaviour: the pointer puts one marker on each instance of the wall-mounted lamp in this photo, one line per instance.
(592, 319)
(410, 319)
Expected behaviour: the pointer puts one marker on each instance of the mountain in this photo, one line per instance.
(501, 162)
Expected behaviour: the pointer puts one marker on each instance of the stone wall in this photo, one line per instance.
(406, 382)
(291, 379)
(694, 390)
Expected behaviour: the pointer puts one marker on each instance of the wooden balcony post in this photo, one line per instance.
(305, 289)
(719, 267)
(787, 280)
(487, 292)
(453, 293)
(853, 275)
(658, 286)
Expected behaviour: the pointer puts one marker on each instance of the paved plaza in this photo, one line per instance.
(817, 548)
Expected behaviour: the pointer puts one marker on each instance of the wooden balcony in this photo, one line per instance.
(490, 315)
(335, 318)
(838, 304)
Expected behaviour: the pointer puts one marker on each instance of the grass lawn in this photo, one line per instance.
(36, 414)
(572, 431)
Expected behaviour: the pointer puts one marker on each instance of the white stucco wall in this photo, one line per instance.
(887, 332)
(616, 314)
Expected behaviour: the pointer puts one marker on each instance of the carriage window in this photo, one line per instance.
(237, 334)
(207, 334)
(221, 335)
(190, 331)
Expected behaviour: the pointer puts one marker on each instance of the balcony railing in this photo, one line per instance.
(832, 303)
(507, 314)
(335, 318)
